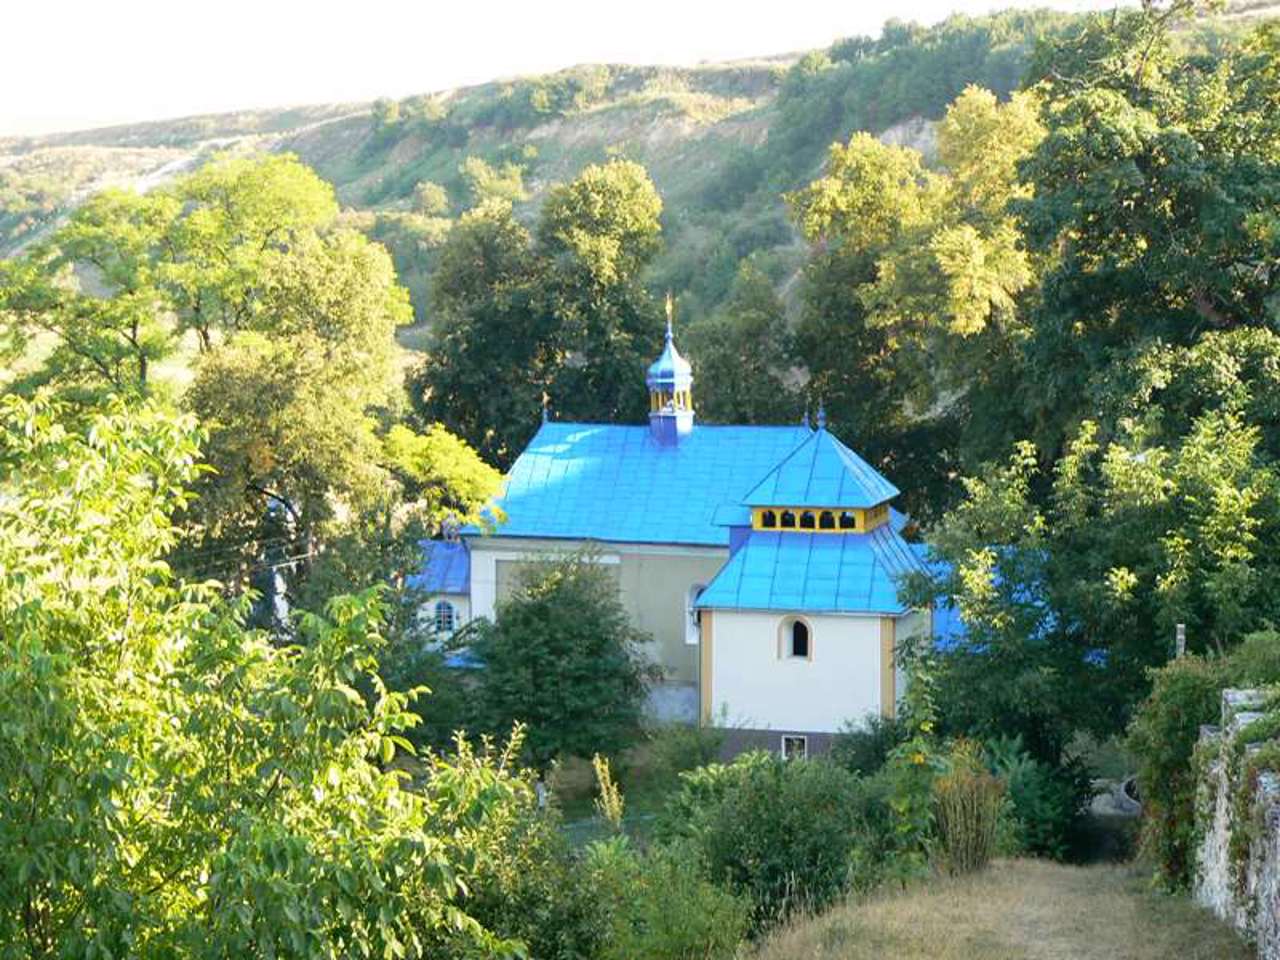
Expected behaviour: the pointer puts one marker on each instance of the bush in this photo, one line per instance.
(1047, 803)
(864, 747)
(1256, 662)
(677, 747)
(968, 805)
(659, 905)
(788, 836)
(1185, 694)
(527, 882)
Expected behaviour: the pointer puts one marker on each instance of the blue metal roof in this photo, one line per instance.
(588, 481)
(446, 568)
(814, 572)
(822, 472)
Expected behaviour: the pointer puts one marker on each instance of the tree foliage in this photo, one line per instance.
(1134, 372)
(242, 274)
(563, 659)
(562, 317)
(171, 782)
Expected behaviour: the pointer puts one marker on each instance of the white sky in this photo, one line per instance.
(71, 64)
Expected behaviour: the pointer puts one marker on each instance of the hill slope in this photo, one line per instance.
(722, 142)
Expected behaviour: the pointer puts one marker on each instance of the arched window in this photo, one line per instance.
(768, 519)
(788, 520)
(795, 640)
(806, 520)
(848, 521)
(799, 646)
(826, 520)
(444, 617)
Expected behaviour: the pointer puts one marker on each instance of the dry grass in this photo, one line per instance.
(1016, 910)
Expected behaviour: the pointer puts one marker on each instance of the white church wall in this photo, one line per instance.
(760, 689)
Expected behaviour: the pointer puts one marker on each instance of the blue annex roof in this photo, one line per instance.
(814, 572)
(446, 568)
(822, 472)
(588, 481)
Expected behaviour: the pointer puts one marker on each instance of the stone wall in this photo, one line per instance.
(1244, 893)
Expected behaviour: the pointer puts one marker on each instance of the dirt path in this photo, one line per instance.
(1017, 909)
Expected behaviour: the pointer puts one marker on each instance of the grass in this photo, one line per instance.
(1016, 910)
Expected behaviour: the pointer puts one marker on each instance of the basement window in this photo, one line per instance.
(795, 747)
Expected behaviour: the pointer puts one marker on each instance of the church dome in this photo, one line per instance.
(670, 367)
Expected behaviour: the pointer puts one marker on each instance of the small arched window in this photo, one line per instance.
(798, 640)
(768, 519)
(795, 639)
(788, 520)
(445, 618)
(848, 521)
(826, 520)
(806, 520)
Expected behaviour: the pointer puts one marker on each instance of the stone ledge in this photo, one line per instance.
(1252, 906)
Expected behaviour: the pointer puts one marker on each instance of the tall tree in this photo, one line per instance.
(742, 356)
(563, 658)
(1145, 494)
(563, 316)
(241, 274)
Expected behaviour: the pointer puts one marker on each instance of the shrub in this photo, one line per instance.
(1185, 694)
(1256, 662)
(677, 747)
(1047, 802)
(659, 905)
(701, 792)
(529, 884)
(787, 835)
(405, 663)
(864, 747)
(968, 803)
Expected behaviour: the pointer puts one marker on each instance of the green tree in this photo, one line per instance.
(94, 292)
(172, 784)
(564, 317)
(563, 658)
(296, 376)
(430, 199)
(1069, 599)
(504, 183)
(486, 371)
(1153, 201)
(239, 215)
(597, 234)
(288, 399)
(914, 284)
(742, 356)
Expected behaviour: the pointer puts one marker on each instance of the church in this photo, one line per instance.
(763, 560)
